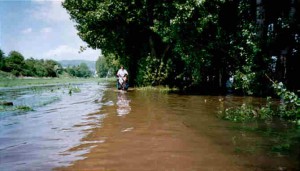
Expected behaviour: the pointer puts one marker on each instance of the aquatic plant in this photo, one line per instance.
(246, 113)
(288, 109)
(280, 138)
(290, 106)
(15, 108)
(161, 89)
(23, 108)
(72, 89)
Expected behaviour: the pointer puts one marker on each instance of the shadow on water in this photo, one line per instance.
(149, 130)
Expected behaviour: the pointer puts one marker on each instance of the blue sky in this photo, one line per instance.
(40, 29)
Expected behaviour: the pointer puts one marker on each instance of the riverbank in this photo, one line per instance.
(30, 81)
(145, 130)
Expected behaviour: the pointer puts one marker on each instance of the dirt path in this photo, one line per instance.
(149, 137)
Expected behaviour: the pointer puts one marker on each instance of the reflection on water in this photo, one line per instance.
(123, 104)
(182, 132)
(157, 131)
(258, 145)
(40, 139)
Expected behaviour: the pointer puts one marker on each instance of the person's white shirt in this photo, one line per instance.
(122, 72)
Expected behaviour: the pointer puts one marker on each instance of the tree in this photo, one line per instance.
(107, 66)
(2, 58)
(195, 44)
(84, 71)
(52, 67)
(14, 63)
(146, 36)
(81, 70)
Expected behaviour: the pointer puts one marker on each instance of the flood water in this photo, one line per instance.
(100, 128)
(39, 139)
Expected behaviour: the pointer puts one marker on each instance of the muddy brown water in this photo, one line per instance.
(101, 129)
(156, 131)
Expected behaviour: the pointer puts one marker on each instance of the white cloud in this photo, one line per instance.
(66, 52)
(38, 1)
(46, 30)
(26, 31)
(42, 1)
(56, 32)
(50, 11)
(61, 50)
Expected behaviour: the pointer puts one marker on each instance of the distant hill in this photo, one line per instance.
(90, 64)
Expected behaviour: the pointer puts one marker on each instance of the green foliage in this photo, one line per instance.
(153, 71)
(73, 89)
(14, 63)
(107, 66)
(244, 49)
(6, 75)
(23, 108)
(137, 31)
(160, 89)
(81, 70)
(15, 108)
(101, 67)
(13, 81)
(185, 43)
(246, 113)
(244, 80)
(290, 106)
(2, 59)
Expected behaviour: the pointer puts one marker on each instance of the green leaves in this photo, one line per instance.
(134, 29)
(204, 42)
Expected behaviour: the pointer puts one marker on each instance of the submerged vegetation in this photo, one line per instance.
(15, 108)
(161, 89)
(44, 91)
(284, 113)
(73, 89)
(283, 139)
(288, 108)
(13, 82)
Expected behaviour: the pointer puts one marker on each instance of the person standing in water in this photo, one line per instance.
(122, 78)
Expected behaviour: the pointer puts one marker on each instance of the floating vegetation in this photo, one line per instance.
(23, 108)
(6, 103)
(15, 108)
(75, 89)
(161, 89)
(246, 113)
(48, 101)
(282, 138)
(288, 108)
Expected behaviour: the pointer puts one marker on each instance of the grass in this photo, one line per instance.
(28, 81)
(161, 89)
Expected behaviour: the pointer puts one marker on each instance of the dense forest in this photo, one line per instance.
(17, 65)
(195, 45)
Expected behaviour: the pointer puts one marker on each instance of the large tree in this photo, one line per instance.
(192, 43)
(15, 63)
(157, 40)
